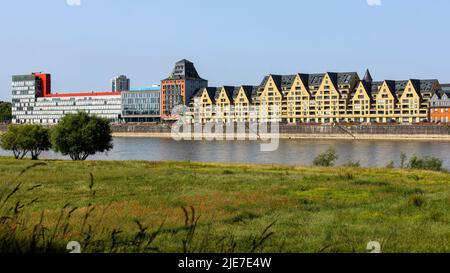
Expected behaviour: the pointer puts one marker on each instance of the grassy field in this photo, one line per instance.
(196, 207)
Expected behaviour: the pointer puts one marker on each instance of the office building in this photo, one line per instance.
(120, 83)
(33, 102)
(142, 105)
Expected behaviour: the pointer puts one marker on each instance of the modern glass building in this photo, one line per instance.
(142, 104)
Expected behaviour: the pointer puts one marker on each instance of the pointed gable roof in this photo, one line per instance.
(210, 90)
(277, 79)
(305, 80)
(248, 91)
(229, 90)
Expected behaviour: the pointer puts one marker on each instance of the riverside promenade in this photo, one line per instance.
(375, 132)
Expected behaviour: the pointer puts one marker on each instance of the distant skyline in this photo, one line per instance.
(85, 43)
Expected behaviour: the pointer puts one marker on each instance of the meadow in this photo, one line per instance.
(139, 206)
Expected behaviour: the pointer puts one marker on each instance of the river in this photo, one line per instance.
(370, 153)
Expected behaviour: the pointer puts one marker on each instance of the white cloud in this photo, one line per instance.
(374, 3)
(73, 2)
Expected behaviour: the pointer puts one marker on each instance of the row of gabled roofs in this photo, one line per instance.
(285, 82)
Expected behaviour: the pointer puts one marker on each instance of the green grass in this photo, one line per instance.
(137, 206)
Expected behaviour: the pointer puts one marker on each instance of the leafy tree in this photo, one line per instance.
(5, 111)
(22, 139)
(36, 140)
(80, 135)
(13, 140)
(326, 159)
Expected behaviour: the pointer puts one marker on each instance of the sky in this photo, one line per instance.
(84, 43)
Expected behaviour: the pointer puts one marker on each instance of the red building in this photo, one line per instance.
(440, 106)
(46, 80)
(179, 87)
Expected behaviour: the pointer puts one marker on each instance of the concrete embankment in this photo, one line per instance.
(356, 132)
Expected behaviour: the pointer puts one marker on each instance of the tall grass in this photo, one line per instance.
(18, 234)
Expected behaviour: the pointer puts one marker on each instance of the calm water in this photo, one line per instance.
(294, 152)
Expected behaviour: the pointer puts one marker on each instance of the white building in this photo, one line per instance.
(33, 102)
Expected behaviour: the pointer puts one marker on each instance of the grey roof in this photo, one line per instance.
(229, 90)
(398, 87)
(184, 69)
(286, 81)
(20, 78)
(445, 87)
(337, 78)
(367, 86)
(250, 91)
(367, 77)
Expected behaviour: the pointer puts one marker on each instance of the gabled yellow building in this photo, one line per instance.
(245, 109)
(299, 107)
(318, 98)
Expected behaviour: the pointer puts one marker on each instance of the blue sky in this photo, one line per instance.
(231, 42)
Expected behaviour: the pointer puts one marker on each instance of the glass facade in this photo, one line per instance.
(141, 106)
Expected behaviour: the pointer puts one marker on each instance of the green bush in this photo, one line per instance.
(390, 165)
(352, 164)
(326, 159)
(425, 163)
(81, 135)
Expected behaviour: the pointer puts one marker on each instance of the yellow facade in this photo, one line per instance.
(319, 98)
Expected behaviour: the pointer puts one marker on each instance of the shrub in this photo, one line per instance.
(390, 165)
(352, 164)
(425, 163)
(326, 159)
(80, 135)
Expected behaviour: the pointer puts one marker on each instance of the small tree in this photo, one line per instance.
(13, 140)
(80, 135)
(36, 140)
(326, 159)
(21, 139)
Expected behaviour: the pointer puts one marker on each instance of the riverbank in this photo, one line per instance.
(356, 132)
(292, 136)
(137, 206)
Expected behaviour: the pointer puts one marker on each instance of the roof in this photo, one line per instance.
(367, 77)
(20, 78)
(153, 88)
(286, 81)
(229, 90)
(250, 91)
(211, 93)
(184, 69)
(445, 87)
(399, 86)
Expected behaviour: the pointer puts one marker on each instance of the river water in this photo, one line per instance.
(370, 153)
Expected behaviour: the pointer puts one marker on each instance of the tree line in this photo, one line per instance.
(76, 135)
